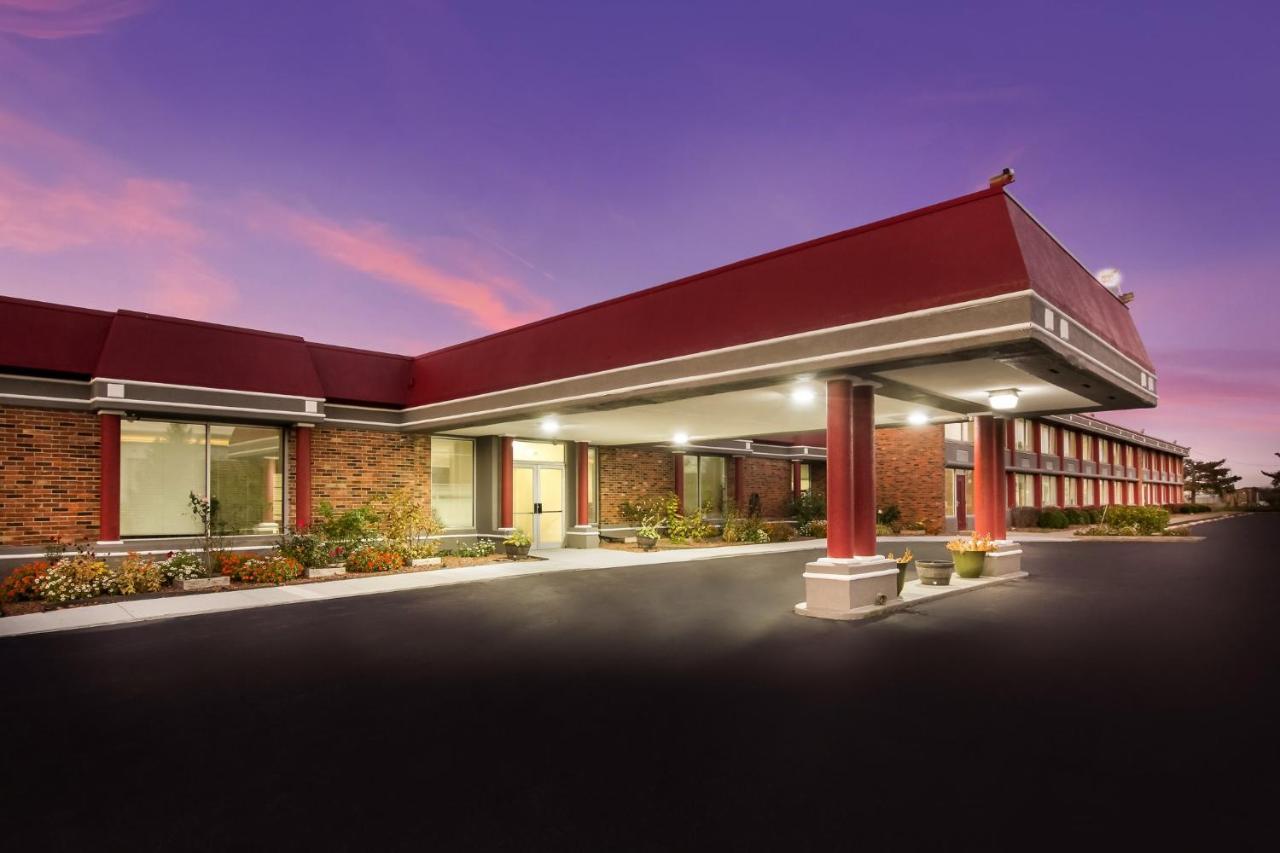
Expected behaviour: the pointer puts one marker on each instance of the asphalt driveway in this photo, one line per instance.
(1118, 693)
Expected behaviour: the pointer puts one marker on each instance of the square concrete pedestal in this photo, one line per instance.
(582, 537)
(1006, 559)
(836, 588)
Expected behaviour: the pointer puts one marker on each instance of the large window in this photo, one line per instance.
(162, 463)
(453, 480)
(1086, 498)
(1071, 491)
(1104, 450)
(962, 431)
(1086, 447)
(1025, 494)
(704, 483)
(1048, 438)
(1049, 490)
(1021, 434)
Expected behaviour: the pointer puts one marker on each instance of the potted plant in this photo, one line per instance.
(647, 533)
(517, 544)
(934, 572)
(970, 554)
(903, 563)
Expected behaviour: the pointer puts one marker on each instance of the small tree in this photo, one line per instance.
(206, 510)
(403, 519)
(1212, 478)
(1273, 494)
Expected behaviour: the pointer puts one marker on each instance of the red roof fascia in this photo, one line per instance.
(54, 340)
(946, 253)
(361, 377)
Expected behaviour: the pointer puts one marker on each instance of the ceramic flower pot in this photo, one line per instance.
(517, 552)
(934, 572)
(646, 542)
(969, 563)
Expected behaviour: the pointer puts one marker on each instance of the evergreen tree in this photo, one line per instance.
(1210, 478)
(1274, 493)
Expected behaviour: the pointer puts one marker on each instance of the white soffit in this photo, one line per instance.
(972, 380)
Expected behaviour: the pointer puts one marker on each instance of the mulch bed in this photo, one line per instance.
(18, 608)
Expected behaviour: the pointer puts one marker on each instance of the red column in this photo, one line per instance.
(302, 477)
(989, 477)
(506, 511)
(839, 460)
(863, 426)
(677, 464)
(584, 484)
(795, 480)
(1002, 484)
(738, 497)
(109, 478)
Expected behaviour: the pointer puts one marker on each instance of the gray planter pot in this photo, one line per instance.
(517, 552)
(934, 572)
(646, 542)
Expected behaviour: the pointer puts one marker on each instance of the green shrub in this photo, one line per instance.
(884, 530)
(817, 528)
(1076, 516)
(182, 565)
(1148, 520)
(74, 578)
(810, 506)
(888, 515)
(353, 527)
(309, 549)
(740, 528)
(1024, 516)
(479, 548)
(634, 512)
(1053, 519)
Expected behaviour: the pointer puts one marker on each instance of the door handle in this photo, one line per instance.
(537, 509)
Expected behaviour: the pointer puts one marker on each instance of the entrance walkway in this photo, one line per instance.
(554, 560)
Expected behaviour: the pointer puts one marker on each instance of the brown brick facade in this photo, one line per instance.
(909, 473)
(771, 480)
(627, 473)
(48, 476)
(350, 467)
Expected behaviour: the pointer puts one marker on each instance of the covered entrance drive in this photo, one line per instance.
(964, 311)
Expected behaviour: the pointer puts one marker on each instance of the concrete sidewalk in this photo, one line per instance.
(557, 560)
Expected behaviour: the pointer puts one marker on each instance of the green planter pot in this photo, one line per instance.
(969, 563)
(902, 575)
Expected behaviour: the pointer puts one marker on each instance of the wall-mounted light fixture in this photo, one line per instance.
(550, 426)
(917, 419)
(803, 395)
(1004, 399)
(680, 438)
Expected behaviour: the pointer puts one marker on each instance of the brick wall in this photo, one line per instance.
(771, 480)
(350, 467)
(48, 476)
(627, 473)
(909, 472)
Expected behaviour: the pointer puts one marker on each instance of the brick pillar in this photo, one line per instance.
(302, 477)
(584, 484)
(506, 510)
(109, 478)
(677, 467)
(839, 471)
(863, 419)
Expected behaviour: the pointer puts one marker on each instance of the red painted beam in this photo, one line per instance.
(109, 478)
(584, 484)
(302, 477)
(863, 425)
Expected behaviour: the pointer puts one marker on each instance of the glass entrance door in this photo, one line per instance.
(538, 502)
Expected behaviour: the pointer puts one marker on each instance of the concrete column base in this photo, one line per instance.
(584, 536)
(836, 588)
(1005, 560)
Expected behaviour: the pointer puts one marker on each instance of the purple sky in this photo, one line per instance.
(404, 175)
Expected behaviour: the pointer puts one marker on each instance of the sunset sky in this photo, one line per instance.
(404, 175)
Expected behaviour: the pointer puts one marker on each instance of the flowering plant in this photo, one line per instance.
(974, 543)
(74, 578)
(518, 538)
(180, 566)
(373, 559)
(137, 574)
(271, 568)
(904, 560)
(22, 584)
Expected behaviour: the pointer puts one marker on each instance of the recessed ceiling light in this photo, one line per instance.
(1004, 399)
(803, 395)
(917, 419)
(680, 438)
(550, 426)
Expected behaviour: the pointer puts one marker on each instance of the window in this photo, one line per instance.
(962, 431)
(1021, 434)
(1087, 496)
(1049, 490)
(162, 463)
(1071, 492)
(1048, 438)
(704, 483)
(453, 480)
(1024, 487)
(1086, 447)
(1104, 450)
(537, 451)
(806, 477)
(1104, 493)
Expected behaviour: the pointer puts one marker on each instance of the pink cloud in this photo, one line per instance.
(491, 301)
(184, 285)
(60, 19)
